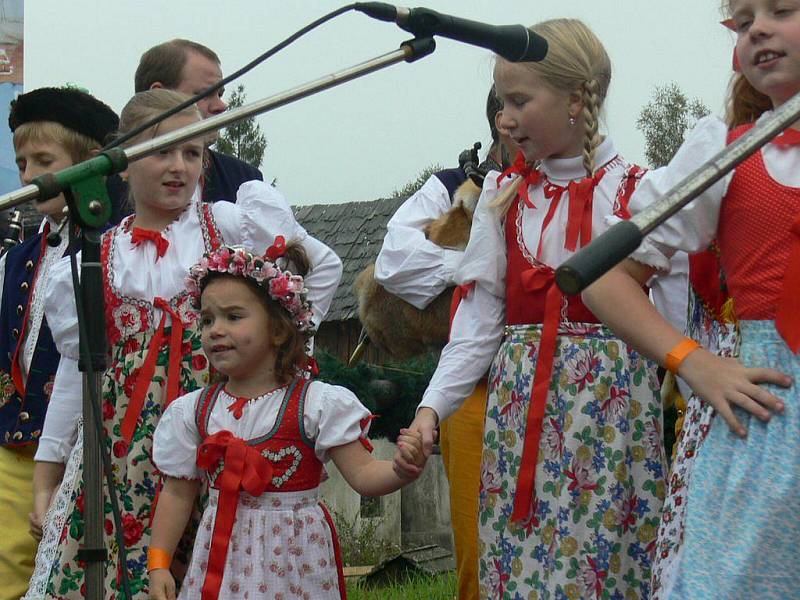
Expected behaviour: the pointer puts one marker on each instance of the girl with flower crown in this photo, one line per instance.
(154, 341)
(260, 440)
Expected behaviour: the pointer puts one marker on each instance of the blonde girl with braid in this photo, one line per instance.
(572, 477)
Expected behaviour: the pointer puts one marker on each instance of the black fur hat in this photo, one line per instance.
(69, 107)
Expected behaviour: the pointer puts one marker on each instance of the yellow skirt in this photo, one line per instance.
(17, 547)
(461, 441)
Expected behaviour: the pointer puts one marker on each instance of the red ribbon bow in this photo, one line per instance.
(529, 175)
(277, 249)
(244, 469)
(787, 317)
(537, 280)
(134, 410)
(579, 219)
(139, 235)
(790, 137)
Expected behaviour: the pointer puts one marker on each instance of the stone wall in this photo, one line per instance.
(417, 515)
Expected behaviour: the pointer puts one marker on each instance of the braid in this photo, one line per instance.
(591, 109)
(502, 202)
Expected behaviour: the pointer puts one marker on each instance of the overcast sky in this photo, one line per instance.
(366, 138)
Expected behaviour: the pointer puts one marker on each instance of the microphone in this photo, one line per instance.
(515, 43)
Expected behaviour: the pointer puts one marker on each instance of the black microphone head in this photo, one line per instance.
(517, 43)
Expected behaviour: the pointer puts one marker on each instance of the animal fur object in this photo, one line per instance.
(393, 324)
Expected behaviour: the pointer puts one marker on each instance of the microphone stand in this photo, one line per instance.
(610, 248)
(90, 208)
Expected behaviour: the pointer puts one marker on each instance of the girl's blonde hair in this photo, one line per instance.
(576, 61)
(146, 105)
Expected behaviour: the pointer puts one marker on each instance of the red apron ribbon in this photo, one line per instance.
(787, 317)
(145, 376)
(139, 235)
(537, 280)
(244, 469)
(530, 176)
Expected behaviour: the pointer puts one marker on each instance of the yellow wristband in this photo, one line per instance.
(677, 355)
(158, 559)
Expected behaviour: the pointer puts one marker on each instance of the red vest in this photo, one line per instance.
(754, 235)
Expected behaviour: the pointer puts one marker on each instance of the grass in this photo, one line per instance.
(418, 587)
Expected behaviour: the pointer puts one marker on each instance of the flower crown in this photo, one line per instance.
(282, 286)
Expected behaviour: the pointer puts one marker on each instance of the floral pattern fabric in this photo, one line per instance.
(136, 477)
(720, 338)
(599, 483)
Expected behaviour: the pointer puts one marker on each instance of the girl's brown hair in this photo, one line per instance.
(291, 344)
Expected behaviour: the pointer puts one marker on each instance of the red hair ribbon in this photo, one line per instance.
(244, 469)
(277, 249)
(139, 235)
(529, 175)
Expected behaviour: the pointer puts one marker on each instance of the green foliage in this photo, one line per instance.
(419, 587)
(242, 139)
(360, 542)
(395, 401)
(664, 121)
(412, 186)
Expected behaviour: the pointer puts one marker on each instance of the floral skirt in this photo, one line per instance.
(282, 546)
(137, 480)
(599, 479)
(721, 339)
(742, 523)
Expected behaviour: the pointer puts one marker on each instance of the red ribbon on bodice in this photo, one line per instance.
(787, 317)
(143, 380)
(139, 235)
(244, 469)
(530, 175)
(540, 279)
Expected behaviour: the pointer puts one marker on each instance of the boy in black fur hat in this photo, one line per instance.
(53, 128)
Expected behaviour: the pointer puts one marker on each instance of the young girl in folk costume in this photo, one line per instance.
(152, 329)
(260, 439)
(573, 465)
(415, 269)
(741, 525)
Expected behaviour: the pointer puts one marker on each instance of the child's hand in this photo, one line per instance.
(426, 422)
(162, 585)
(35, 526)
(725, 382)
(409, 458)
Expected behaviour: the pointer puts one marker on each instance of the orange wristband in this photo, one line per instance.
(158, 559)
(677, 355)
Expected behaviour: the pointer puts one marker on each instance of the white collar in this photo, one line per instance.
(570, 169)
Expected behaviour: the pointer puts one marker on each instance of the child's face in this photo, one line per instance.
(768, 45)
(235, 329)
(37, 158)
(163, 183)
(535, 115)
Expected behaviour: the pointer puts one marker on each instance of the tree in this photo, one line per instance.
(242, 139)
(664, 121)
(412, 186)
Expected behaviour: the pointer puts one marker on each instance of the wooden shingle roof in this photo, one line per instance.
(355, 231)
